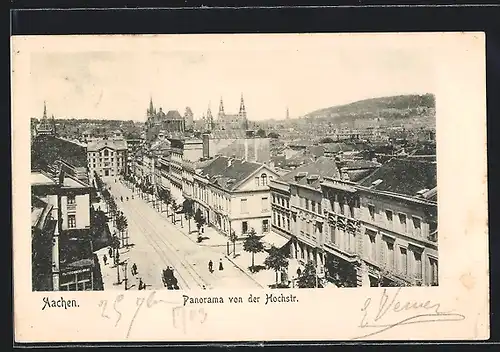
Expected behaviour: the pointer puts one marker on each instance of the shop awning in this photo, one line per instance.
(274, 239)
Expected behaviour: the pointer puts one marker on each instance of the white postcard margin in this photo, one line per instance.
(462, 297)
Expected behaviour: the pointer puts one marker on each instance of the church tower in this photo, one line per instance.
(287, 113)
(210, 118)
(221, 114)
(242, 115)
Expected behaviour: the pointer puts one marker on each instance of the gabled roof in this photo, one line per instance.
(315, 172)
(107, 143)
(403, 176)
(228, 173)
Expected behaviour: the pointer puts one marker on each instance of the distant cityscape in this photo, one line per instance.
(344, 196)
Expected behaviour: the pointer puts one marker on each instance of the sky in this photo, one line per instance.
(273, 74)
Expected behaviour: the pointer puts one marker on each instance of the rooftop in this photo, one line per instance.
(40, 178)
(45, 150)
(228, 172)
(403, 176)
(312, 173)
(107, 143)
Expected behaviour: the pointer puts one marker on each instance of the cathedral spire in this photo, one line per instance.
(242, 104)
(151, 108)
(44, 110)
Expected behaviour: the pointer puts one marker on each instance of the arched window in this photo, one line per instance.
(106, 152)
(264, 179)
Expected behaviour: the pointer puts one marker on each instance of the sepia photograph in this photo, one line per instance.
(137, 184)
(210, 168)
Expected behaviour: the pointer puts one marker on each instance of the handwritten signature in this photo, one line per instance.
(430, 312)
(178, 311)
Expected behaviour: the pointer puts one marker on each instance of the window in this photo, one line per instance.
(433, 271)
(313, 206)
(332, 234)
(403, 261)
(264, 179)
(371, 211)
(71, 221)
(402, 221)
(274, 217)
(279, 220)
(417, 226)
(244, 206)
(388, 216)
(244, 227)
(389, 249)
(373, 247)
(265, 226)
(106, 152)
(71, 200)
(287, 204)
(274, 198)
(257, 181)
(265, 203)
(288, 224)
(307, 204)
(417, 262)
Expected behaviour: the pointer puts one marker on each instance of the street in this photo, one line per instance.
(157, 243)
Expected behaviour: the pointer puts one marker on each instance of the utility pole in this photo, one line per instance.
(125, 279)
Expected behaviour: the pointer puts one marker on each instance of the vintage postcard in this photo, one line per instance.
(256, 187)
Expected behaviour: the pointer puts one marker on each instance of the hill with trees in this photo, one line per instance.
(388, 108)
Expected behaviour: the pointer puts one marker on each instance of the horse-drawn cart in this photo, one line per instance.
(169, 280)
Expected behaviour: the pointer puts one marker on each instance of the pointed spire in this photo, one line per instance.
(287, 113)
(44, 109)
(151, 108)
(242, 104)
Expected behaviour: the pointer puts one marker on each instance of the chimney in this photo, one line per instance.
(246, 149)
(206, 145)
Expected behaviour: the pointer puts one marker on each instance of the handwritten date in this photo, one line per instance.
(181, 316)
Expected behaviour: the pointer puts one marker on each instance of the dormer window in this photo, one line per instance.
(264, 179)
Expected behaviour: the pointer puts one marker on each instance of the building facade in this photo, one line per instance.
(107, 158)
(67, 208)
(232, 194)
(376, 232)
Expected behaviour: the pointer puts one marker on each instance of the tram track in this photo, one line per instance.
(159, 244)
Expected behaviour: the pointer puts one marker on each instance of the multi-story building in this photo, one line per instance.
(379, 231)
(107, 157)
(61, 214)
(297, 210)
(232, 194)
(398, 223)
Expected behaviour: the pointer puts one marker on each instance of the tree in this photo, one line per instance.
(121, 226)
(273, 135)
(277, 261)
(253, 245)
(112, 210)
(188, 210)
(308, 278)
(174, 206)
(261, 133)
(199, 219)
(233, 239)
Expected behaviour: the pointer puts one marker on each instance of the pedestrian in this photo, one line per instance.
(127, 199)
(204, 287)
(140, 284)
(210, 266)
(134, 269)
(105, 259)
(220, 265)
(110, 252)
